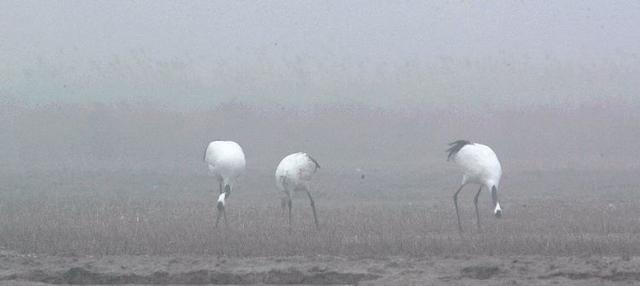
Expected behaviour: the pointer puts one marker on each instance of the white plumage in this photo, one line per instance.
(479, 165)
(226, 163)
(294, 174)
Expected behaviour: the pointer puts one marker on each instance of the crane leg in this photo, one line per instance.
(227, 190)
(289, 206)
(224, 214)
(217, 219)
(475, 202)
(313, 207)
(455, 202)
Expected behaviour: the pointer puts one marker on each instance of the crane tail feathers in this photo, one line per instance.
(455, 147)
(204, 156)
(314, 161)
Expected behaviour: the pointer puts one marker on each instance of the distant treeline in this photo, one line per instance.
(138, 136)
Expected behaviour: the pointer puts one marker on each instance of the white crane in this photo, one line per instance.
(479, 165)
(226, 163)
(294, 174)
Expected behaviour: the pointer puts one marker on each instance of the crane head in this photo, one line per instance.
(221, 201)
(497, 211)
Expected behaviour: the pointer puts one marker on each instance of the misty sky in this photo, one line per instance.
(189, 53)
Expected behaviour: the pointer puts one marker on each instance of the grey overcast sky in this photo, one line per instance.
(383, 53)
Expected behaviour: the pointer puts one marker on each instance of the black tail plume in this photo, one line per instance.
(314, 161)
(455, 146)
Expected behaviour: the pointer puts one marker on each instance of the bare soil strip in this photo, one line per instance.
(19, 269)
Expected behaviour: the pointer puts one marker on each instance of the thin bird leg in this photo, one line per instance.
(475, 202)
(218, 218)
(227, 190)
(289, 205)
(455, 202)
(224, 214)
(313, 207)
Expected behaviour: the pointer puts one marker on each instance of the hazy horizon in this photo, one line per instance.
(302, 53)
(147, 84)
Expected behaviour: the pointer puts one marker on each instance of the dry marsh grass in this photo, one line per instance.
(120, 213)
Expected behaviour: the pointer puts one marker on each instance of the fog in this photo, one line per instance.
(146, 84)
(101, 137)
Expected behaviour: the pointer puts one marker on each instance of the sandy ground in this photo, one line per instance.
(19, 269)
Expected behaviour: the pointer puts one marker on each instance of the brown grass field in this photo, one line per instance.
(62, 223)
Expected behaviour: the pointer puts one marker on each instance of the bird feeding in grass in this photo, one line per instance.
(480, 166)
(226, 163)
(294, 174)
